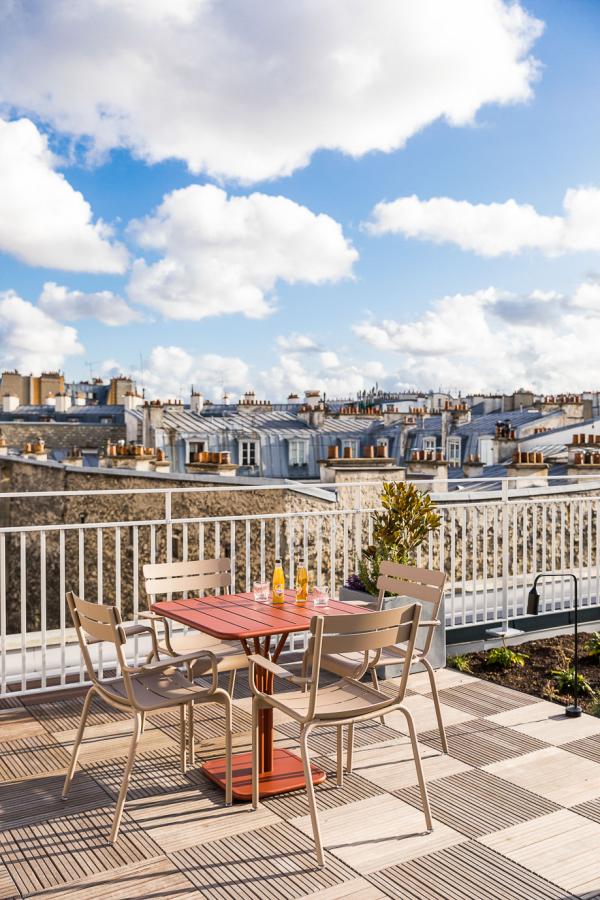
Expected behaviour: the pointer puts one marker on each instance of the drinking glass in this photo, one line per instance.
(261, 591)
(320, 595)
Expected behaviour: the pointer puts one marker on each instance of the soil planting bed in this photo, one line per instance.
(535, 676)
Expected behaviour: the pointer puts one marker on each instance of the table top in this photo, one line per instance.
(239, 616)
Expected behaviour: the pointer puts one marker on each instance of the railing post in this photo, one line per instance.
(504, 630)
(168, 522)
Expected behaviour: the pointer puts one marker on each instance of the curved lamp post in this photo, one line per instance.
(533, 603)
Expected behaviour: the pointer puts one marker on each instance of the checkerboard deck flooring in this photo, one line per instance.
(516, 807)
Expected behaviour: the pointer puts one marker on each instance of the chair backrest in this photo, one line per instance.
(195, 576)
(424, 585)
(363, 633)
(95, 623)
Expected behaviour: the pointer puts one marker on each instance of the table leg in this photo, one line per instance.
(279, 770)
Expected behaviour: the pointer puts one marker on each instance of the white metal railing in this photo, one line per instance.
(490, 545)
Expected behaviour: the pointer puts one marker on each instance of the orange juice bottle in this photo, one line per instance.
(278, 583)
(301, 584)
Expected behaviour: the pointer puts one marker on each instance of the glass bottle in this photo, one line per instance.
(278, 583)
(301, 584)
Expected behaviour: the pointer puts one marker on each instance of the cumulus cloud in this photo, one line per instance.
(30, 340)
(43, 220)
(493, 340)
(169, 372)
(494, 229)
(61, 303)
(225, 254)
(250, 91)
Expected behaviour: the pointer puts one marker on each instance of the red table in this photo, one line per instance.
(239, 617)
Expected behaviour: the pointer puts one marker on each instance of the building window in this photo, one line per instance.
(248, 453)
(429, 443)
(106, 420)
(196, 447)
(383, 442)
(298, 452)
(453, 447)
(352, 444)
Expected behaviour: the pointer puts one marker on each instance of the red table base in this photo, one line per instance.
(287, 774)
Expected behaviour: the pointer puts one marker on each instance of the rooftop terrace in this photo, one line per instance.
(516, 807)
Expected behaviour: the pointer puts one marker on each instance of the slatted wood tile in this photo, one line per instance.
(476, 802)
(392, 767)
(483, 698)
(588, 747)
(31, 756)
(329, 794)
(8, 888)
(323, 741)
(9, 702)
(16, 722)
(112, 740)
(378, 832)
(188, 818)
(209, 721)
(562, 847)
(44, 800)
(64, 850)
(64, 714)
(591, 810)
(559, 729)
(444, 678)
(273, 862)
(424, 717)
(464, 872)
(553, 773)
(479, 742)
(357, 889)
(158, 878)
(156, 772)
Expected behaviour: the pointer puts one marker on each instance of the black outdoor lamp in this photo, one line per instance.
(533, 603)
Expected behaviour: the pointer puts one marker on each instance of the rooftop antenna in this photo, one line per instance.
(91, 363)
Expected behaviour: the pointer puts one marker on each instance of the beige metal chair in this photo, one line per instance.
(140, 689)
(424, 585)
(346, 702)
(194, 577)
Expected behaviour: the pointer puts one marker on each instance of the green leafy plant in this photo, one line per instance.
(461, 663)
(565, 682)
(592, 646)
(594, 709)
(504, 658)
(402, 527)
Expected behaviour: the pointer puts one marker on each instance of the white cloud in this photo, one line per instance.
(61, 303)
(43, 220)
(226, 254)
(30, 340)
(493, 229)
(295, 342)
(493, 340)
(169, 372)
(250, 91)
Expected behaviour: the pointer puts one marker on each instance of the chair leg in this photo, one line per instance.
(231, 686)
(255, 754)
(143, 722)
(310, 790)
(228, 751)
(75, 752)
(375, 681)
(340, 755)
(191, 746)
(436, 703)
(419, 767)
(182, 738)
(135, 737)
(350, 748)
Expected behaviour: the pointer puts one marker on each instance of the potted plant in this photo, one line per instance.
(407, 518)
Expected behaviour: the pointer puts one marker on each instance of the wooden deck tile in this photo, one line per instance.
(268, 864)
(188, 818)
(64, 715)
(537, 711)
(32, 756)
(158, 878)
(423, 712)
(8, 888)
(562, 847)
(156, 772)
(16, 722)
(588, 747)
(44, 800)
(329, 794)
(559, 729)
(378, 832)
(480, 742)
(476, 802)
(357, 889)
(483, 698)
(553, 773)
(112, 739)
(591, 810)
(64, 850)
(323, 741)
(464, 872)
(391, 765)
(444, 678)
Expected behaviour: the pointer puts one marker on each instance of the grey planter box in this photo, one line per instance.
(437, 654)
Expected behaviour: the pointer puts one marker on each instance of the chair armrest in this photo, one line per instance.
(159, 665)
(429, 622)
(151, 616)
(134, 628)
(274, 669)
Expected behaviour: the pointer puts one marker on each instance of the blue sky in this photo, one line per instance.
(531, 151)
